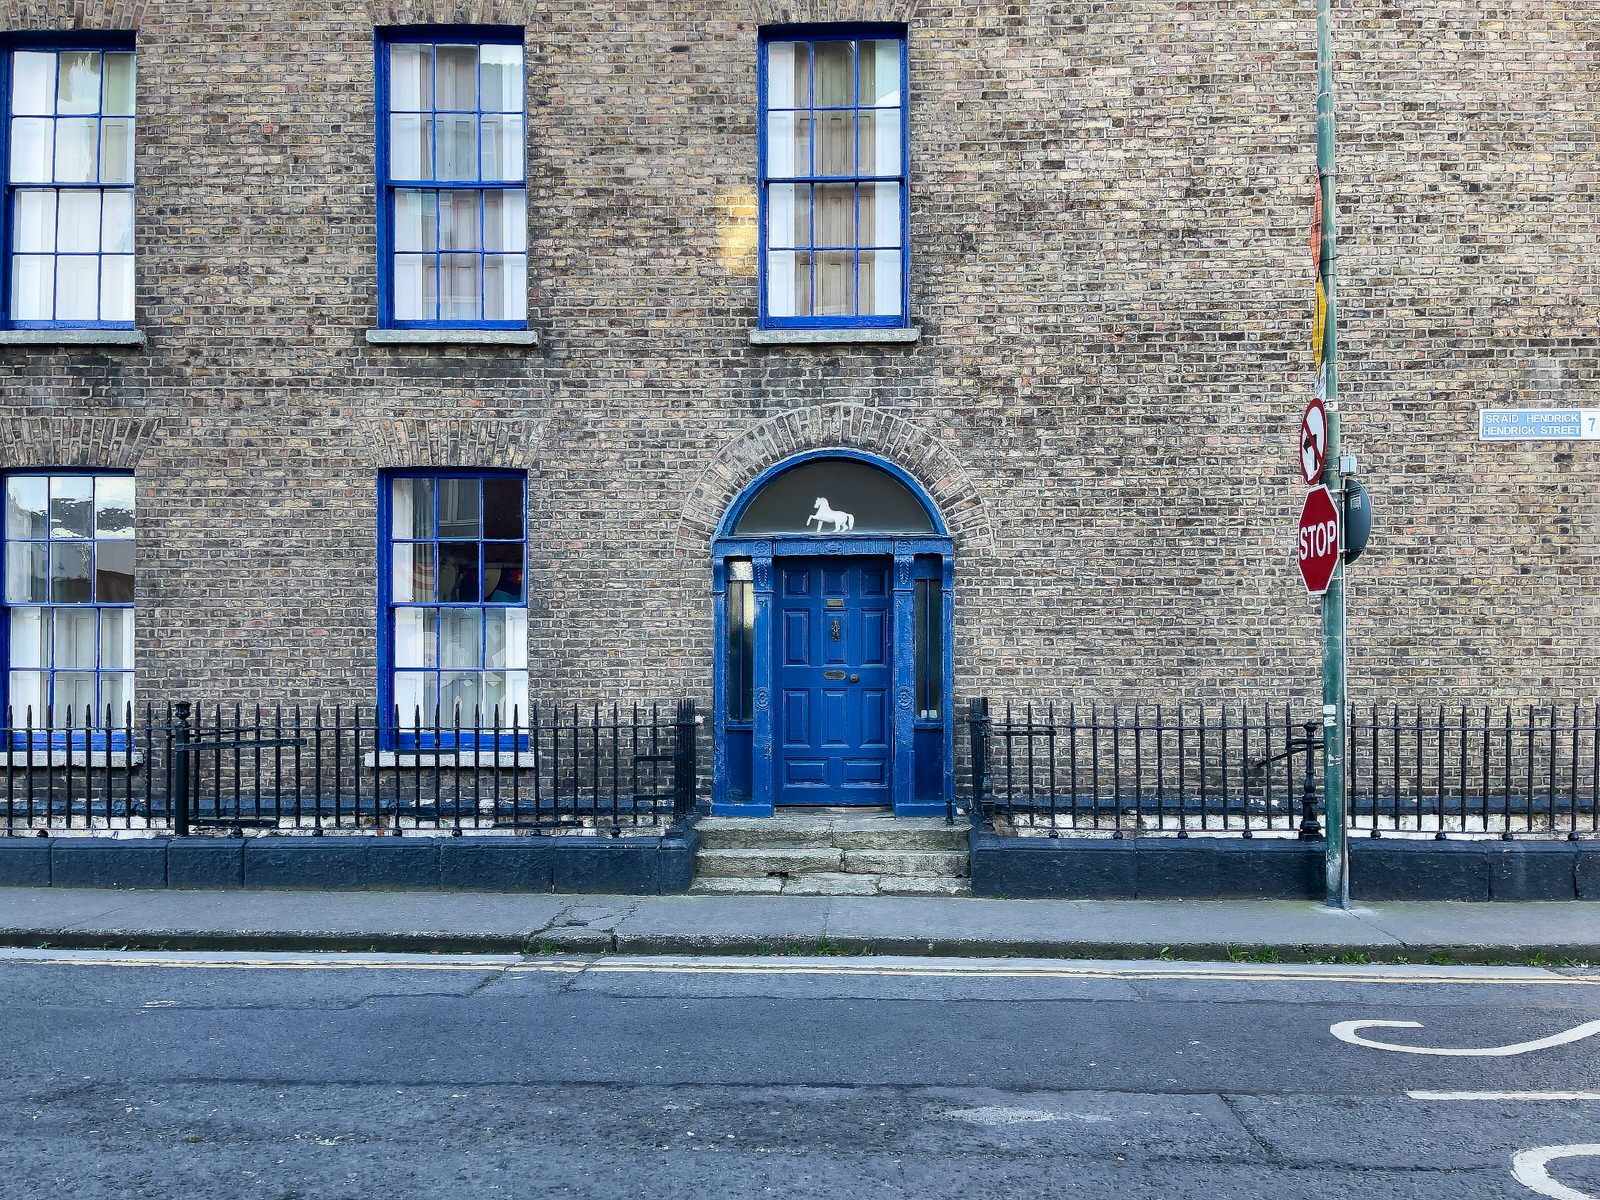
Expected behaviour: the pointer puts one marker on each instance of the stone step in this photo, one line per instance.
(874, 832)
(830, 883)
(923, 885)
(760, 833)
(735, 885)
(772, 860)
(940, 837)
(951, 864)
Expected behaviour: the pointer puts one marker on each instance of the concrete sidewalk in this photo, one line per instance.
(499, 923)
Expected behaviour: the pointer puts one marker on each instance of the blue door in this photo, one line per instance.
(834, 721)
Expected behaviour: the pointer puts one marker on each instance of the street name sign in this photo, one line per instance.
(1318, 549)
(1313, 441)
(1538, 424)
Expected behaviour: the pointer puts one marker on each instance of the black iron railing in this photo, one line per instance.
(217, 768)
(1249, 770)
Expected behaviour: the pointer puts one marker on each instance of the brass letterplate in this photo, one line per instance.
(833, 674)
(835, 602)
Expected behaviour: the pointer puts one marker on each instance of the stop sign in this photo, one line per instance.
(1318, 549)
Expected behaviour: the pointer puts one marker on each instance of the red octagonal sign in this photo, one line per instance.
(1319, 540)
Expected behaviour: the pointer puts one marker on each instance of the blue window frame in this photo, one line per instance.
(66, 213)
(833, 151)
(68, 598)
(455, 607)
(452, 204)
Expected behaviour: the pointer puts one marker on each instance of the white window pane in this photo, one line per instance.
(416, 292)
(27, 576)
(30, 638)
(457, 142)
(788, 283)
(458, 220)
(116, 287)
(410, 147)
(415, 637)
(71, 506)
(410, 78)
(880, 142)
(116, 150)
(880, 282)
(411, 508)
(788, 215)
(516, 698)
(833, 73)
(503, 151)
(27, 499)
(80, 222)
(460, 287)
(78, 82)
(788, 75)
(460, 637)
(27, 699)
(33, 83)
(835, 214)
(75, 637)
(77, 288)
(880, 74)
(788, 144)
(33, 288)
(77, 142)
(32, 150)
(415, 694)
(113, 506)
(505, 287)
(118, 86)
(507, 638)
(836, 143)
(492, 698)
(458, 698)
(35, 222)
(455, 75)
(116, 638)
(116, 222)
(505, 220)
(73, 701)
(880, 214)
(416, 220)
(116, 696)
(835, 284)
(413, 573)
(502, 78)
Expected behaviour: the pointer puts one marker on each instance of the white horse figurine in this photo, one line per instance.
(842, 522)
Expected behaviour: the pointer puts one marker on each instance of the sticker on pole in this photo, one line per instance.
(1318, 548)
(1313, 441)
(1319, 327)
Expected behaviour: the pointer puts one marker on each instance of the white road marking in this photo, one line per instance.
(1509, 1096)
(1528, 1167)
(1350, 1031)
(886, 967)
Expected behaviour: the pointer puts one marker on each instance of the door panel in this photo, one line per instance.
(836, 618)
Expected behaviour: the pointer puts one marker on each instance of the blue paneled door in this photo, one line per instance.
(834, 721)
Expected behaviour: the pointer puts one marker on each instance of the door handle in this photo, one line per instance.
(855, 679)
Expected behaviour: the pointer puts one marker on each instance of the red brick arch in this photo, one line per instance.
(847, 426)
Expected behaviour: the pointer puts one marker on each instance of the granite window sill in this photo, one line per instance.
(72, 337)
(42, 759)
(453, 337)
(834, 337)
(448, 760)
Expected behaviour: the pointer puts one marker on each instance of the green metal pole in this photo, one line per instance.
(1334, 685)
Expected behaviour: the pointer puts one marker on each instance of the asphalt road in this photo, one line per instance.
(188, 1077)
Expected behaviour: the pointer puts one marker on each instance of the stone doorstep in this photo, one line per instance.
(831, 884)
(950, 864)
(824, 829)
(774, 861)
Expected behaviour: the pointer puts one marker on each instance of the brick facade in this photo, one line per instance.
(1109, 269)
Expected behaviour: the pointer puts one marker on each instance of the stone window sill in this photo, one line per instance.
(72, 337)
(452, 337)
(834, 337)
(19, 760)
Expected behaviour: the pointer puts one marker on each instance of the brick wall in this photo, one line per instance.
(1109, 268)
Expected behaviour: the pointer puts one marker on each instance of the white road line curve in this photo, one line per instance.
(1530, 1169)
(1350, 1032)
(1518, 1097)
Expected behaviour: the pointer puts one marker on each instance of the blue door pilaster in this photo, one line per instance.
(905, 749)
(763, 770)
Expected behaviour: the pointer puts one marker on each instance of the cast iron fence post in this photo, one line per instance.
(978, 721)
(685, 762)
(178, 778)
(1310, 829)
